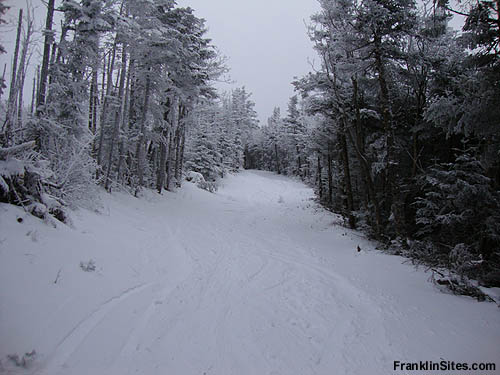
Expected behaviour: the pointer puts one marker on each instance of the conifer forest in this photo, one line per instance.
(395, 131)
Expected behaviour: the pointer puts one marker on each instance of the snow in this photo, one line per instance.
(255, 279)
(195, 177)
(11, 167)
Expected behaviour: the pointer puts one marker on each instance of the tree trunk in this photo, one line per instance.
(118, 117)
(393, 200)
(421, 101)
(52, 61)
(299, 162)
(44, 72)
(415, 154)
(105, 102)
(180, 129)
(124, 122)
(121, 158)
(2, 81)
(11, 103)
(21, 73)
(57, 55)
(276, 155)
(181, 161)
(175, 119)
(387, 121)
(330, 176)
(170, 157)
(132, 117)
(20, 102)
(36, 83)
(177, 151)
(164, 141)
(160, 181)
(320, 182)
(347, 177)
(104, 77)
(140, 142)
(33, 93)
(357, 142)
(93, 102)
(126, 110)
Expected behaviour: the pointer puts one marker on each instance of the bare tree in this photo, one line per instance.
(44, 72)
(23, 64)
(11, 104)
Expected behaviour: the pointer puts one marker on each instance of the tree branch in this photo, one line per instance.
(9, 151)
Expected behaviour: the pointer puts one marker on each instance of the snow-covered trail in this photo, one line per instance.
(255, 279)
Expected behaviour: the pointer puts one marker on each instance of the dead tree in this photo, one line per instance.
(11, 103)
(21, 72)
(44, 72)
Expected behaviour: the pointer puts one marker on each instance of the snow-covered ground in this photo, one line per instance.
(256, 279)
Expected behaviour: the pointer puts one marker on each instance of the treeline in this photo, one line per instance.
(399, 130)
(122, 98)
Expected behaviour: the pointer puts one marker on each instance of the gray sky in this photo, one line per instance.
(266, 42)
(8, 39)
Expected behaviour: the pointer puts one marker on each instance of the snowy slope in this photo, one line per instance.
(256, 279)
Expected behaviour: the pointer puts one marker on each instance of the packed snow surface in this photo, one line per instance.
(255, 279)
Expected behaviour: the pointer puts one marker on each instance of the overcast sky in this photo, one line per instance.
(265, 42)
(8, 39)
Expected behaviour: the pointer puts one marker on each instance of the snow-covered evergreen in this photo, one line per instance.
(197, 240)
(384, 126)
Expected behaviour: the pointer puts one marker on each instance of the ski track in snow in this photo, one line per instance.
(257, 280)
(84, 328)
